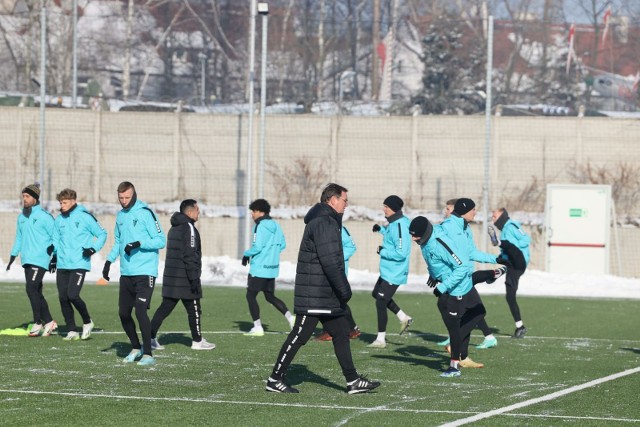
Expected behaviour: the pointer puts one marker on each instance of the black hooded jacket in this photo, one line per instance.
(321, 286)
(183, 263)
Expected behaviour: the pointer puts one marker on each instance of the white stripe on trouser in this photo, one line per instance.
(197, 312)
(284, 355)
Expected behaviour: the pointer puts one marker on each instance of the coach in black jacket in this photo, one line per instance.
(321, 292)
(181, 278)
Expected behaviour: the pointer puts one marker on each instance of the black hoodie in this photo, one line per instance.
(321, 286)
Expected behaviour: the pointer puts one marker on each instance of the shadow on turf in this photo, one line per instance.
(418, 356)
(634, 350)
(298, 374)
(122, 348)
(245, 326)
(167, 339)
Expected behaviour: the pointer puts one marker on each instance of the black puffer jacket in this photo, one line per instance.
(321, 286)
(183, 264)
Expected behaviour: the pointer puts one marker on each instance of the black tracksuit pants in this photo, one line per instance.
(33, 276)
(460, 315)
(337, 326)
(194, 314)
(69, 284)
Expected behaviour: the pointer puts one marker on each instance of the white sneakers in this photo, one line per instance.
(202, 345)
(155, 345)
(36, 330)
(72, 336)
(378, 344)
(86, 330)
(255, 332)
(49, 327)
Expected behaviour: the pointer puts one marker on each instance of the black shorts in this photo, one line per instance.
(136, 289)
(260, 284)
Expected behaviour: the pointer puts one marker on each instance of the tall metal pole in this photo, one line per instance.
(43, 85)
(74, 85)
(487, 144)
(203, 77)
(263, 95)
(252, 64)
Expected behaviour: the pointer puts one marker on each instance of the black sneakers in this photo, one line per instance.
(361, 385)
(279, 386)
(520, 332)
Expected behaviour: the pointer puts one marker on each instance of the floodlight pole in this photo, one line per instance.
(249, 179)
(263, 10)
(74, 84)
(43, 86)
(203, 78)
(487, 145)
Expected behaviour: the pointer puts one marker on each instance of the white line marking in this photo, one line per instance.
(571, 339)
(551, 396)
(297, 405)
(234, 402)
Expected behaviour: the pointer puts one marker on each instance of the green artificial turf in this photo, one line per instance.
(48, 381)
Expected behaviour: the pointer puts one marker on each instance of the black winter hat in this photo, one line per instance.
(33, 190)
(260, 205)
(394, 202)
(463, 206)
(422, 228)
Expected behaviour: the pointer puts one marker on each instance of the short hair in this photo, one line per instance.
(331, 190)
(451, 202)
(187, 205)
(67, 194)
(260, 205)
(124, 186)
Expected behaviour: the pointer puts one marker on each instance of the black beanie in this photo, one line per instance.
(463, 206)
(421, 227)
(394, 202)
(33, 190)
(260, 205)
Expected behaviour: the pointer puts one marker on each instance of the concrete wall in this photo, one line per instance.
(424, 159)
(221, 236)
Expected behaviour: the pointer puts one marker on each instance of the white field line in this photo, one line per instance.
(568, 339)
(548, 397)
(230, 402)
(361, 410)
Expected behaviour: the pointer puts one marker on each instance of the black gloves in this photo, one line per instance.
(11, 259)
(105, 270)
(87, 252)
(432, 282)
(245, 260)
(131, 246)
(379, 250)
(52, 264)
(50, 249)
(503, 261)
(195, 284)
(437, 292)
(375, 228)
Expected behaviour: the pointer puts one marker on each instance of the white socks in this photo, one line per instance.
(381, 336)
(288, 315)
(402, 315)
(257, 324)
(519, 324)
